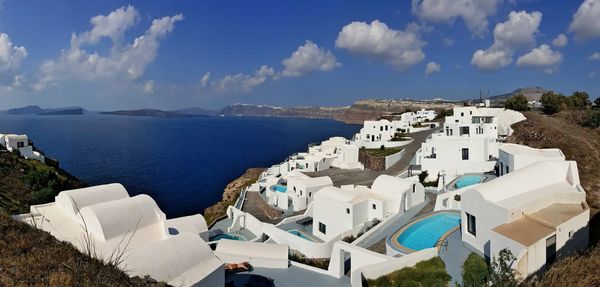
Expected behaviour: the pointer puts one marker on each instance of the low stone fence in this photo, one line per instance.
(379, 162)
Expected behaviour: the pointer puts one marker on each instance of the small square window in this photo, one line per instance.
(322, 228)
(374, 206)
(348, 210)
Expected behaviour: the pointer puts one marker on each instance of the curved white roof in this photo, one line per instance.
(192, 223)
(392, 186)
(532, 177)
(75, 199)
(518, 149)
(115, 219)
(318, 181)
(181, 260)
(338, 194)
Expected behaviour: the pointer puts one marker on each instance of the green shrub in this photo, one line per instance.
(502, 274)
(431, 272)
(592, 119)
(322, 263)
(517, 102)
(475, 271)
(551, 103)
(423, 176)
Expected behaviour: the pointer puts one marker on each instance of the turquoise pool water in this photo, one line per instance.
(227, 236)
(279, 188)
(299, 234)
(427, 231)
(467, 180)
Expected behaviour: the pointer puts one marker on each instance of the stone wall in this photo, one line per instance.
(371, 162)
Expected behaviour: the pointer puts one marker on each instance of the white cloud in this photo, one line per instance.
(243, 82)
(10, 60)
(122, 62)
(541, 57)
(204, 81)
(401, 49)
(448, 41)
(473, 12)
(594, 57)
(148, 87)
(560, 41)
(518, 32)
(490, 59)
(308, 58)
(114, 25)
(432, 67)
(586, 21)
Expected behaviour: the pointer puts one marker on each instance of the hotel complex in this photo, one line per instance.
(480, 195)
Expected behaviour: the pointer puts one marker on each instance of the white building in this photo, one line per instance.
(296, 190)
(13, 142)
(343, 154)
(538, 212)
(425, 115)
(338, 210)
(514, 157)
(467, 143)
(171, 250)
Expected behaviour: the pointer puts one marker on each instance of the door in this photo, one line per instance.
(550, 250)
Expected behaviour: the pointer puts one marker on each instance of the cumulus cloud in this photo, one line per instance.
(560, 41)
(401, 49)
(308, 58)
(586, 21)
(148, 87)
(112, 25)
(243, 82)
(11, 57)
(474, 13)
(205, 79)
(542, 57)
(432, 67)
(123, 61)
(518, 32)
(594, 57)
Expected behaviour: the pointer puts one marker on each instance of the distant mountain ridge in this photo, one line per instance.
(531, 93)
(150, 113)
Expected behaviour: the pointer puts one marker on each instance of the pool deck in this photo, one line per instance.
(454, 254)
(293, 277)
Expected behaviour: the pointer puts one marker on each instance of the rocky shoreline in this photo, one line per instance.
(230, 194)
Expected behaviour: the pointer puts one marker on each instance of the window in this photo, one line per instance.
(381, 128)
(20, 144)
(471, 224)
(374, 206)
(462, 114)
(348, 210)
(464, 131)
(470, 112)
(322, 228)
(414, 186)
(507, 169)
(309, 194)
(386, 128)
(571, 233)
(465, 154)
(501, 168)
(301, 193)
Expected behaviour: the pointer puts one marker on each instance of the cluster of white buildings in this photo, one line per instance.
(374, 134)
(467, 143)
(12, 142)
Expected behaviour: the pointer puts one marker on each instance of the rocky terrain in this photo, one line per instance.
(230, 195)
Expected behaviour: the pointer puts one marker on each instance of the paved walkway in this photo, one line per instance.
(454, 256)
(256, 206)
(366, 177)
(292, 277)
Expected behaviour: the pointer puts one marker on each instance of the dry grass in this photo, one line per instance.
(31, 257)
(573, 271)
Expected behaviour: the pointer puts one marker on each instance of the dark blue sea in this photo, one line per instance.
(184, 164)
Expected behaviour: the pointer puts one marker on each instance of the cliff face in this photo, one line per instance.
(356, 114)
(230, 195)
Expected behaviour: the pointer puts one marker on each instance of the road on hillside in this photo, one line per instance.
(366, 177)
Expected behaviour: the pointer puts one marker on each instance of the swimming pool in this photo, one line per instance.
(425, 232)
(227, 236)
(467, 180)
(279, 188)
(299, 234)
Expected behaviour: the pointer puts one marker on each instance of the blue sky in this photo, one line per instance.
(175, 54)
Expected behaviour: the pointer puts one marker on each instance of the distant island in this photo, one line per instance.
(151, 113)
(36, 110)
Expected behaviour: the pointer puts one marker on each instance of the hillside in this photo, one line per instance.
(531, 93)
(31, 257)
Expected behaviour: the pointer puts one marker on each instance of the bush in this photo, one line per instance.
(431, 272)
(502, 273)
(423, 176)
(475, 271)
(592, 119)
(322, 263)
(517, 102)
(551, 103)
